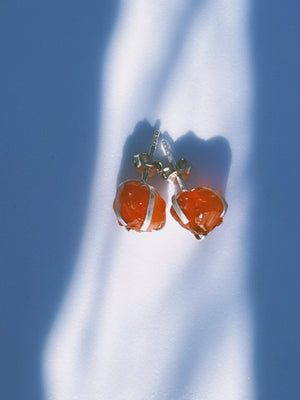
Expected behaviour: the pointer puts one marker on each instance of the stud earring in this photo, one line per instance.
(138, 205)
(199, 210)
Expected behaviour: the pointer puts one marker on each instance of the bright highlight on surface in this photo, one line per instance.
(159, 315)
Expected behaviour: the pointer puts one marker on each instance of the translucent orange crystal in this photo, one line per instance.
(203, 208)
(133, 199)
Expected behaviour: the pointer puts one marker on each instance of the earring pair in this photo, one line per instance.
(140, 207)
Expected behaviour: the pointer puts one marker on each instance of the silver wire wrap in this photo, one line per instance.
(150, 208)
(179, 211)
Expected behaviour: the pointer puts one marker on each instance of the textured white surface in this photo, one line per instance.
(162, 316)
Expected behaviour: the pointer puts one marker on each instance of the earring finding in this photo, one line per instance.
(199, 210)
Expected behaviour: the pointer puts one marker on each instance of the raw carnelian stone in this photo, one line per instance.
(133, 198)
(203, 208)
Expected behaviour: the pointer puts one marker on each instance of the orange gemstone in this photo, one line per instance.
(139, 207)
(202, 209)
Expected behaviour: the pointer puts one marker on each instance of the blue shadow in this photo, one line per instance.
(275, 270)
(51, 66)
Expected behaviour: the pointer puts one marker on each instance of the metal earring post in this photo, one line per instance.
(173, 169)
(153, 146)
(144, 160)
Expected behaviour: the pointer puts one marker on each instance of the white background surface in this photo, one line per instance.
(89, 310)
(160, 315)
